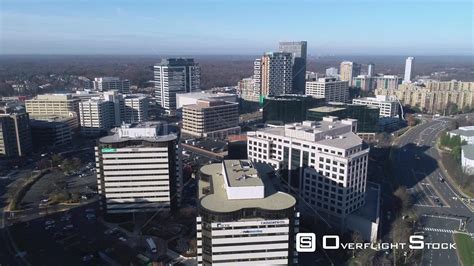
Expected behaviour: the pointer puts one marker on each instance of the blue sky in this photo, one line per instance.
(331, 27)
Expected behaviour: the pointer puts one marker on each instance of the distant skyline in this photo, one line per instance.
(206, 27)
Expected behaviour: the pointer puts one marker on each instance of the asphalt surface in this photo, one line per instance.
(436, 202)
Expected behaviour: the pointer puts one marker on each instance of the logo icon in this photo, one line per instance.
(305, 242)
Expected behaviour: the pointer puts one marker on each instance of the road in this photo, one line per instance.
(441, 211)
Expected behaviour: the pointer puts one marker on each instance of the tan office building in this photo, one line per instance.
(211, 118)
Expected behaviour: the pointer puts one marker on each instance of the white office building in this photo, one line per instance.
(388, 106)
(139, 169)
(408, 70)
(466, 134)
(329, 88)
(325, 161)
(172, 76)
(112, 83)
(242, 219)
(96, 116)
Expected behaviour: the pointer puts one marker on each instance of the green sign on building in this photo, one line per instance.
(109, 150)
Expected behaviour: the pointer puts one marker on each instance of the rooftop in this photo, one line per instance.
(217, 199)
(464, 131)
(326, 109)
(241, 173)
(148, 131)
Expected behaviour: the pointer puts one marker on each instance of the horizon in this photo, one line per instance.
(215, 27)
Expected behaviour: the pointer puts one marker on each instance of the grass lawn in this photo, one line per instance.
(465, 249)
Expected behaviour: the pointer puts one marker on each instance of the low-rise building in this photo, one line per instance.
(242, 219)
(211, 118)
(288, 108)
(388, 106)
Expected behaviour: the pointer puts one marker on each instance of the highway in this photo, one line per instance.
(438, 205)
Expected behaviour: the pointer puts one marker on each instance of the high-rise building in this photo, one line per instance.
(112, 83)
(299, 54)
(332, 72)
(243, 219)
(139, 169)
(15, 135)
(325, 161)
(276, 73)
(135, 108)
(348, 71)
(51, 133)
(211, 118)
(388, 106)
(370, 69)
(175, 75)
(408, 70)
(331, 89)
(96, 116)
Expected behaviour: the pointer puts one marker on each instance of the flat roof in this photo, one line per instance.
(217, 200)
(463, 132)
(326, 109)
(343, 141)
(241, 173)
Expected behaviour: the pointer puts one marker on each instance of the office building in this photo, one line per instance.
(112, 83)
(276, 74)
(246, 90)
(135, 108)
(370, 69)
(211, 118)
(139, 169)
(45, 106)
(332, 72)
(408, 70)
(443, 97)
(52, 104)
(175, 75)
(467, 159)
(311, 76)
(325, 162)
(193, 97)
(367, 116)
(331, 89)
(348, 71)
(15, 135)
(52, 132)
(96, 116)
(288, 108)
(388, 105)
(242, 219)
(465, 133)
(298, 51)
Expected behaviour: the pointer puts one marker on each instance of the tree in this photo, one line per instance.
(356, 237)
(452, 108)
(404, 198)
(411, 121)
(56, 159)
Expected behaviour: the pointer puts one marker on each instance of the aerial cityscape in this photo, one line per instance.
(213, 132)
